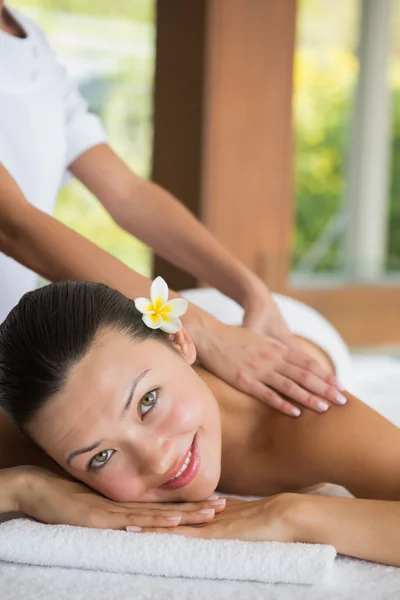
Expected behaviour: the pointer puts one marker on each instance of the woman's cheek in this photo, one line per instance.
(117, 486)
(186, 412)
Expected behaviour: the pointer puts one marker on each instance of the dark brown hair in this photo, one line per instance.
(48, 332)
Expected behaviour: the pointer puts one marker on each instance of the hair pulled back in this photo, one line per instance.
(49, 331)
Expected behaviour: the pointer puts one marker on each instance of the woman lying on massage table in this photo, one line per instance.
(124, 409)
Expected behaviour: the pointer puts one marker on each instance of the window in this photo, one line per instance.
(347, 127)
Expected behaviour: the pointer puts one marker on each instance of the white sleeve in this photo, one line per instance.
(83, 128)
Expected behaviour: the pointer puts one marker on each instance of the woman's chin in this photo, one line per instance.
(203, 488)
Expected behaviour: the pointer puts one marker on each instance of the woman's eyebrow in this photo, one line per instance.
(127, 404)
(132, 391)
(82, 451)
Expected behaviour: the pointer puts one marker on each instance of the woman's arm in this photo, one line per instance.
(17, 450)
(31, 482)
(367, 529)
(11, 483)
(55, 499)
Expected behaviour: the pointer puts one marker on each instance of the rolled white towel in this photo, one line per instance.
(29, 542)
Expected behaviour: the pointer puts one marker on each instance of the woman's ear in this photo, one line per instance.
(184, 344)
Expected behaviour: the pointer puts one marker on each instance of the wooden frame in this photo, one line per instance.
(364, 315)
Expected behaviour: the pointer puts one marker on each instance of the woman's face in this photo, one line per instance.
(131, 416)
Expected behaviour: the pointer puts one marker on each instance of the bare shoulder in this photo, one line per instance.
(228, 397)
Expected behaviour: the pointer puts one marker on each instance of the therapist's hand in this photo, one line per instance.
(262, 366)
(261, 315)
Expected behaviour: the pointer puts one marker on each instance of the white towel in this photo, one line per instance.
(28, 542)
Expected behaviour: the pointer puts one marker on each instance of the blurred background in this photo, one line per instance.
(346, 121)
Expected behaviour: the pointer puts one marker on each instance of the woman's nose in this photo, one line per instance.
(158, 457)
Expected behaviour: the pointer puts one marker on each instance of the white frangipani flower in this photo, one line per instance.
(158, 312)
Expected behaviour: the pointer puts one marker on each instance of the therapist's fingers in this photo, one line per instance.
(286, 386)
(309, 381)
(272, 398)
(302, 359)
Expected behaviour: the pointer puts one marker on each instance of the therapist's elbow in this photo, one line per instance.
(5, 243)
(2, 242)
(9, 234)
(127, 197)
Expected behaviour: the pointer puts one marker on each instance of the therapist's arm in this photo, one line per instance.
(152, 214)
(51, 249)
(55, 251)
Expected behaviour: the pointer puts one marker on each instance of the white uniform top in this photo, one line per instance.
(44, 126)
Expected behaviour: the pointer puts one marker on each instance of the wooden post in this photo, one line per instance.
(223, 136)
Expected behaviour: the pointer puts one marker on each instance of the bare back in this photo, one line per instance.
(266, 452)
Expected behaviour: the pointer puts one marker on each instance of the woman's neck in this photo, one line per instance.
(243, 435)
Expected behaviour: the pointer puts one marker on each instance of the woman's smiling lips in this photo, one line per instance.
(173, 482)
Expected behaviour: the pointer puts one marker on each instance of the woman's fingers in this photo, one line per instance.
(169, 515)
(161, 517)
(101, 519)
(217, 504)
(269, 519)
(309, 381)
(58, 500)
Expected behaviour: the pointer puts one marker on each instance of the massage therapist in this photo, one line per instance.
(45, 130)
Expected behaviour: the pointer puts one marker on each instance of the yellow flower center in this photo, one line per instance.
(158, 308)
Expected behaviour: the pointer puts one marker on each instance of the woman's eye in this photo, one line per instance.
(148, 401)
(100, 459)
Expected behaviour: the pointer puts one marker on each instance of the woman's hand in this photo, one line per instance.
(54, 499)
(267, 520)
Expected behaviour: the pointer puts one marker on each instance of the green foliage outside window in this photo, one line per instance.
(323, 99)
(141, 11)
